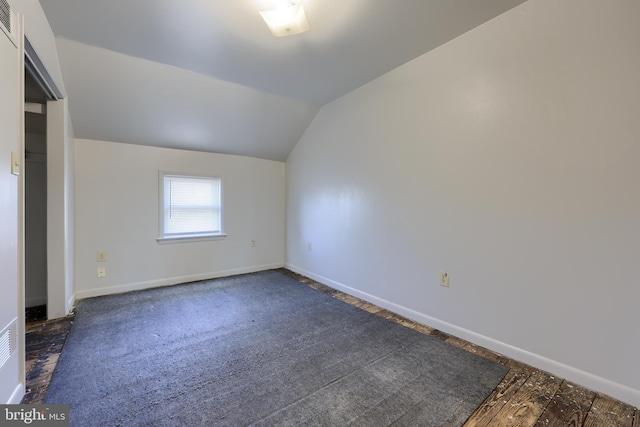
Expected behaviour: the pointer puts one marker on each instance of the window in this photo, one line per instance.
(190, 208)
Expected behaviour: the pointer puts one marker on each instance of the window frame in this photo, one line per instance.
(195, 237)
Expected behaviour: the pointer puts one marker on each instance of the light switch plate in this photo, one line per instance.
(15, 163)
(101, 256)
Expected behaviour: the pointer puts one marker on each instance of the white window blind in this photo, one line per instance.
(190, 206)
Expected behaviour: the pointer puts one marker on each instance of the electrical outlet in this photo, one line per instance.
(101, 256)
(102, 272)
(253, 243)
(444, 279)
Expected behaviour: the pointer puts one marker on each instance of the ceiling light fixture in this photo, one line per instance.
(286, 19)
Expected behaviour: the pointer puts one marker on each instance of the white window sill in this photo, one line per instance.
(194, 238)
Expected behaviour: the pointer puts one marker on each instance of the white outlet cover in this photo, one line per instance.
(101, 256)
(444, 279)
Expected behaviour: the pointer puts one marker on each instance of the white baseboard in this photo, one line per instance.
(578, 376)
(70, 303)
(17, 395)
(127, 287)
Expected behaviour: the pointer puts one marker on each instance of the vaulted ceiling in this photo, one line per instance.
(207, 74)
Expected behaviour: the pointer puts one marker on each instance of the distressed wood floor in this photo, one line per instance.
(44, 342)
(526, 397)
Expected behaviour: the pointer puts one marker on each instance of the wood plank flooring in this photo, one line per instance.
(526, 397)
(44, 342)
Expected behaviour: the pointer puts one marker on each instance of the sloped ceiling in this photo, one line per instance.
(207, 74)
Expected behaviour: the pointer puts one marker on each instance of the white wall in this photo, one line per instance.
(508, 158)
(11, 289)
(117, 211)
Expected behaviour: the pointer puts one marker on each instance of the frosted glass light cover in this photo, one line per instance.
(285, 20)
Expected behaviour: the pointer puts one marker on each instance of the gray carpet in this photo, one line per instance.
(258, 349)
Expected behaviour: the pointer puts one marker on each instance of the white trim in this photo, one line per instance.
(17, 395)
(70, 303)
(586, 379)
(195, 238)
(127, 287)
(34, 107)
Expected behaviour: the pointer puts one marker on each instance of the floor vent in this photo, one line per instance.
(8, 343)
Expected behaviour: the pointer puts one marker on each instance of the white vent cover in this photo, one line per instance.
(5, 15)
(8, 342)
(7, 20)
